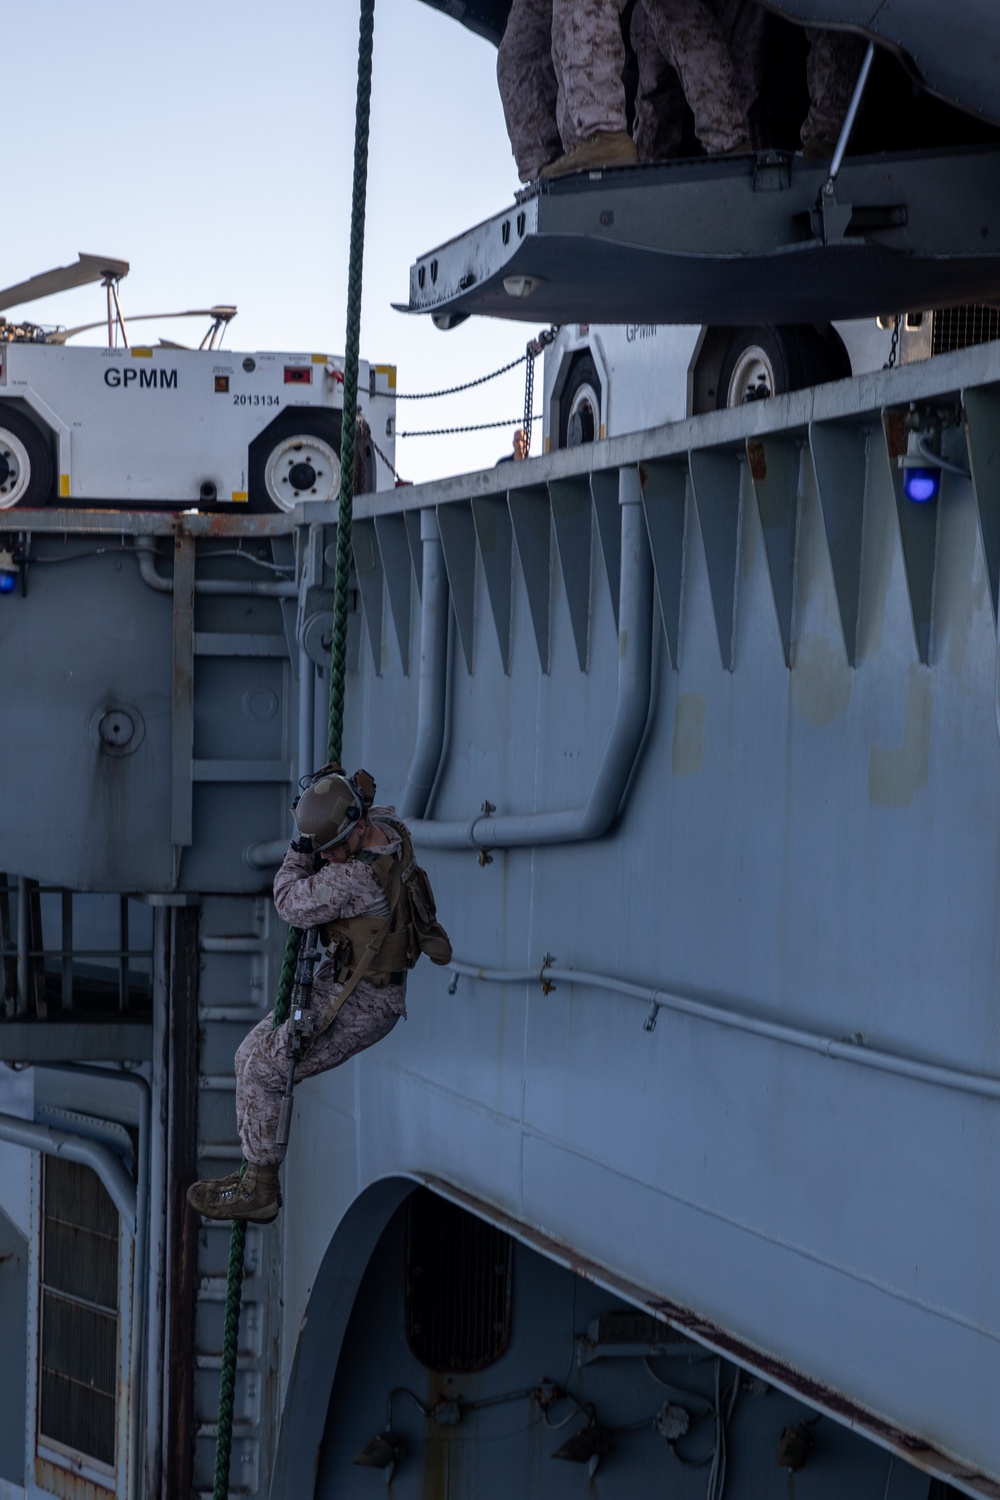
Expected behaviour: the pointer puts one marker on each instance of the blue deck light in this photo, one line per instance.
(921, 485)
(8, 583)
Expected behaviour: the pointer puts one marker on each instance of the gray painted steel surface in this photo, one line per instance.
(171, 704)
(798, 886)
(730, 240)
(806, 858)
(955, 53)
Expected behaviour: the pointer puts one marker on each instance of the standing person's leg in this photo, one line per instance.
(527, 82)
(832, 69)
(744, 26)
(690, 37)
(589, 54)
(659, 100)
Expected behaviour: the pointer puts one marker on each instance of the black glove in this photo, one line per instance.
(304, 845)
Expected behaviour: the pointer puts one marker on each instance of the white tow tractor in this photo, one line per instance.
(135, 426)
(602, 380)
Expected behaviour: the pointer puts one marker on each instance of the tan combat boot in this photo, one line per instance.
(616, 148)
(254, 1195)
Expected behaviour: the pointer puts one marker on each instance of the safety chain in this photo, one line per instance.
(529, 400)
(453, 390)
(473, 427)
(382, 456)
(534, 349)
(894, 346)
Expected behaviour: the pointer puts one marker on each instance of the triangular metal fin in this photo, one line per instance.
(841, 458)
(458, 543)
(715, 480)
(531, 518)
(390, 532)
(604, 493)
(411, 519)
(774, 464)
(494, 532)
(368, 564)
(664, 501)
(982, 409)
(918, 535)
(573, 521)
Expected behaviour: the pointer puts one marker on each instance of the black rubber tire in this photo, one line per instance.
(301, 421)
(41, 470)
(796, 355)
(583, 372)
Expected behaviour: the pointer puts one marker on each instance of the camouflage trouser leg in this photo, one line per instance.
(691, 39)
(527, 82)
(832, 69)
(659, 99)
(588, 54)
(262, 1067)
(744, 26)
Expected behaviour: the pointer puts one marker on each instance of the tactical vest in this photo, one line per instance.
(379, 947)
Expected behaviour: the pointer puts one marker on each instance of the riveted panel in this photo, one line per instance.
(458, 543)
(571, 517)
(604, 494)
(529, 514)
(774, 464)
(491, 519)
(715, 479)
(664, 500)
(841, 456)
(368, 564)
(390, 533)
(982, 409)
(918, 534)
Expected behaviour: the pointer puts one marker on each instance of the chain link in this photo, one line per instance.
(474, 427)
(894, 346)
(382, 456)
(453, 390)
(529, 400)
(534, 348)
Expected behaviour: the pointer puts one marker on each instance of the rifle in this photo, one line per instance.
(301, 1023)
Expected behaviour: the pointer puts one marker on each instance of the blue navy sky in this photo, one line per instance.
(211, 145)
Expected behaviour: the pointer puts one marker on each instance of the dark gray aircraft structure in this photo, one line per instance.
(769, 239)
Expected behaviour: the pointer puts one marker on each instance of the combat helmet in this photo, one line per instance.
(328, 809)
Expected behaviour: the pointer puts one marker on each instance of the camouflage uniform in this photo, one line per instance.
(690, 36)
(660, 101)
(305, 898)
(832, 69)
(559, 69)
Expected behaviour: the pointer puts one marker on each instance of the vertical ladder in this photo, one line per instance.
(236, 986)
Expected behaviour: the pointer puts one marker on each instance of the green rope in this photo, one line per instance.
(338, 666)
(338, 643)
(230, 1343)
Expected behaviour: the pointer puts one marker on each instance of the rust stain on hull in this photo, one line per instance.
(757, 460)
(56, 1480)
